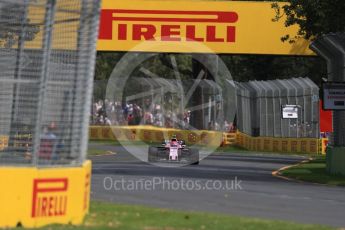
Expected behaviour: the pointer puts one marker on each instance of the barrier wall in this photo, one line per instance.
(35, 197)
(210, 138)
(284, 145)
(154, 134)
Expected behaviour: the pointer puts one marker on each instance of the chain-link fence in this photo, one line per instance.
(259, 108)
(47, 55)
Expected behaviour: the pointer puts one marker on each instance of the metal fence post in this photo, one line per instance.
(18, 71)
(46, 47)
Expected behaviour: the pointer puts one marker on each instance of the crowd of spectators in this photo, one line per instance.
(116, 113)
(122, 114)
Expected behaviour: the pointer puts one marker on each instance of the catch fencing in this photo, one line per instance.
(47, 55)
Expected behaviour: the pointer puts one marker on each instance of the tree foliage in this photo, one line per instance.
(268, 67)
(314, 17)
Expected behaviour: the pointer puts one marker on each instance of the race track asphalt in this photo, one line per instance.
(239, 184)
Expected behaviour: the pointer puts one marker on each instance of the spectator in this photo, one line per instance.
(148, 118)
(107, 121)
(130, 119)
(226, 126)
(48, 143)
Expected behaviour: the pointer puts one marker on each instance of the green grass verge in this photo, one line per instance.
(125, 217)
(231, 149)
(313, 171)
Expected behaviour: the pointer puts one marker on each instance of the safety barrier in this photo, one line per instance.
(209, 138)
(147, 134)
(229, 139)
(324, 144)
(285, 145)
(154, 134)
(36, 197)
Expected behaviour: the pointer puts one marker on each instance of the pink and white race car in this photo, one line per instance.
(173, 150)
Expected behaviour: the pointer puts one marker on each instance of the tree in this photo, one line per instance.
(314, 17)
(105, 63)
(160, 65)
(268, 67)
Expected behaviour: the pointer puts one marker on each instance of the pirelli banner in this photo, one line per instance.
(195, 27)
(32, 197)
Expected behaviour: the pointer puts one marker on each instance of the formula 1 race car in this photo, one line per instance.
(173, 151)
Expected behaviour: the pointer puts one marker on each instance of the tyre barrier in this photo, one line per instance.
(229, 139)
(154, 134)
(283, 145)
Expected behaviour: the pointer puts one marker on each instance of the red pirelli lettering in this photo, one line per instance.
(146, 31)
(49, 198)
(168, 32)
